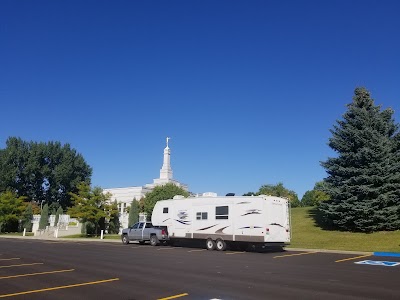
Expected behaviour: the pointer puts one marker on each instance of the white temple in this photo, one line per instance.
(125, 195)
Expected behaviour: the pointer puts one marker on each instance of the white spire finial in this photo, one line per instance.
(168, 138)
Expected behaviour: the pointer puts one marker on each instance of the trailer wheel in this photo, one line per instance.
(154, 240)
(210, 244)
(125, 239)
(221, 245)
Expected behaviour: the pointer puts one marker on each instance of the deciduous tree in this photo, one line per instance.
(315, 196)
(11, 208)
(278, 190)
(163, 192)
(42, 171)
(90, 205)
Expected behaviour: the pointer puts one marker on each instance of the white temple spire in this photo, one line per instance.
(166, 170)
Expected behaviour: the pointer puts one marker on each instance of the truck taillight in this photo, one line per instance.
(163, 232)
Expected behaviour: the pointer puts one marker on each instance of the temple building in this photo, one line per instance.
(125, 195)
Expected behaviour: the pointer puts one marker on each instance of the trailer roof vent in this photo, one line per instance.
(178, 197)
(230, 194)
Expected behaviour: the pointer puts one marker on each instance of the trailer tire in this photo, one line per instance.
(210, 244)
(221, 245)
(125, 239)
(154, 240)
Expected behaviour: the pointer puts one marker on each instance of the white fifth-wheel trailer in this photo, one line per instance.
(237, 221)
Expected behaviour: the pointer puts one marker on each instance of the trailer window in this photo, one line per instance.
(165, 210)
(201, 216)
(221, 212)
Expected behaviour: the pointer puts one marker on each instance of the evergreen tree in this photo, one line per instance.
(44, 217)
(58, 213)
(113, 223)
(364, 179)
(27, 218)
(133, 213)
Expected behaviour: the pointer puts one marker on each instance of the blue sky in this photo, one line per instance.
(247, 90)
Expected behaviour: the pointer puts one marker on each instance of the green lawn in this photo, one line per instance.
(305, 234)
(17, 233)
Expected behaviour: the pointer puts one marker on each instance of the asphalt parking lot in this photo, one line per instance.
(40, 269)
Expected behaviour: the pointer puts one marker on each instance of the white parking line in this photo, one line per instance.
(197, 250)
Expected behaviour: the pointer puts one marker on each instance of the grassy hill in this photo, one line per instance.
(305, 234)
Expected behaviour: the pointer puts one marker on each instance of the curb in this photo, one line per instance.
(331, 251)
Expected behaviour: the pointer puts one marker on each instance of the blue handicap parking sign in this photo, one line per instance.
(378, 263)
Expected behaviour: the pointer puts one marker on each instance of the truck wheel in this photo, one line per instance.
(210, 244)
(153, 240)
(221, 245)
(125, 239)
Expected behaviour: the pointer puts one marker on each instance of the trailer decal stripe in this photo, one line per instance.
(205, 228)
(183, 222)
(277, 224)
(220, 230)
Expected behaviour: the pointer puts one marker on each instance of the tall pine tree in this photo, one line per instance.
(364, 179)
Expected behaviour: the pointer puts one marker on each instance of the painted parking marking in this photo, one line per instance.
(21, 265)
(378, 263)
(174, 297)
(136, 247)
(297, 254)
(197, 250)
(34, 274)
(58, 288)
(235, 252)
(351, 258)
(394, 254)
(14, 258)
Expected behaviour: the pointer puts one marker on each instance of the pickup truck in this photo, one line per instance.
(143, 232)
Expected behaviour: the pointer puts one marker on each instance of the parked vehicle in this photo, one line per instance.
(238, 221)
(143, 232)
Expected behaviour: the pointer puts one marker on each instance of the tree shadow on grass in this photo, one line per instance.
(320, 220)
